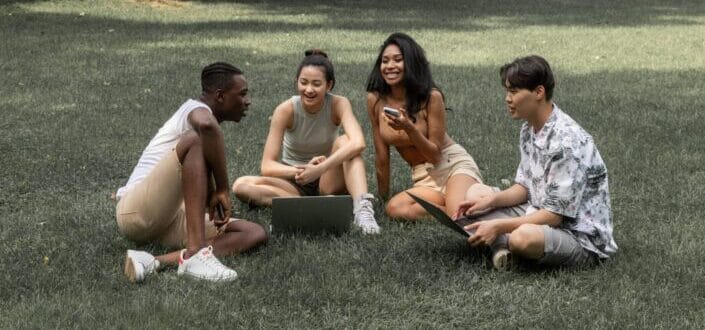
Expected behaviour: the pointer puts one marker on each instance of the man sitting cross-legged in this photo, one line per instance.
(567, 220)
(165, 199)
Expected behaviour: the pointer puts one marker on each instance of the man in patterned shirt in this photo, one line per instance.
(558, 211)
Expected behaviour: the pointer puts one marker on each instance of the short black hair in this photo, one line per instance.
(317, 57)
(528, 73)
(218, 75)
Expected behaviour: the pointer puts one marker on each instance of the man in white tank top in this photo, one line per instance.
(171, 188)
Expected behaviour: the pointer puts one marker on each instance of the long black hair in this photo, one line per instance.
(317, 57)
(418, 81)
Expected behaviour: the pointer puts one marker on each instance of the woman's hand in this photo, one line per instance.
(311, 171)
(403, 122)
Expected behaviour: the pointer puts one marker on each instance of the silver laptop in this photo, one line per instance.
(312, 214)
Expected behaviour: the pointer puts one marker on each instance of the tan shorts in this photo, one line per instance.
(153, 210)
(454, 160)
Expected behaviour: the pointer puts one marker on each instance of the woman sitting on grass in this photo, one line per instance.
(314, 159)
(442, 171)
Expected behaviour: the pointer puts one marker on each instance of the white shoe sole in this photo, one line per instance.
(130, 270)
(502, 260)
(202, 278)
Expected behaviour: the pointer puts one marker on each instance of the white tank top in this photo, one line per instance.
(162, 143)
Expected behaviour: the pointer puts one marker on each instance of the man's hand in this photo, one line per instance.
(475, 205)
(219, 198)
(485, 232)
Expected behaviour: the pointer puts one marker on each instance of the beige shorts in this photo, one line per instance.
(454, 160)
(153, 210)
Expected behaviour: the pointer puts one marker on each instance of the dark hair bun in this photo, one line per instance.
(315, 51)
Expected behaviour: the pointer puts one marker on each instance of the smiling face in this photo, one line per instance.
(235, 100)
(312, 87)
(392, 65)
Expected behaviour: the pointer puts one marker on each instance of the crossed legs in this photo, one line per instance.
(350, 177)
(402, 206)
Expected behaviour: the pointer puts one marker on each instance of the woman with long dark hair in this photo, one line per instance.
(407, 111)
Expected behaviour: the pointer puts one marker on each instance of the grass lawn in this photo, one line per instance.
(86, 84)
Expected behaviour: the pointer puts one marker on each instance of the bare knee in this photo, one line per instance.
(242, 183)
(343, 140)
(254, 233)
(399, 209)
(478, 190)
(258, 235)
(527, 240)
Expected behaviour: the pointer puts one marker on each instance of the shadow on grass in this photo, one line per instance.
(419, 14)
(76, 127)
(374, 16)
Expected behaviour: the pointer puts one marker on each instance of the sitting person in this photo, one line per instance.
(558, 211)
(441, 170)
(314, 159)
(165, 199)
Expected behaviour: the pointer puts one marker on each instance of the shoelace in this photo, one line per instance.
(364, 215)
(213, 263)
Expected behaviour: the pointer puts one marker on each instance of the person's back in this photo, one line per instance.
(165, 199)
(164, 141)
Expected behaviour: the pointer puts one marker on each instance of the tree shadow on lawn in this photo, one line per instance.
(460, 15)
(58, 163)
(415, 15)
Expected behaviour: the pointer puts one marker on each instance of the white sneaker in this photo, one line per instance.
(365, 216)
(205, 266)
(503, 260)
(139, 264)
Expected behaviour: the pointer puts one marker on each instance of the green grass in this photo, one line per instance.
(85, 85)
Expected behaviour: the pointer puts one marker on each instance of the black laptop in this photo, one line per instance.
(438, 214)
(312, 214)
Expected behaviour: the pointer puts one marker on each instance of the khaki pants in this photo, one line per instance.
(153, 210)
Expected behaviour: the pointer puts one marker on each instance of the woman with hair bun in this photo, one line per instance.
(304, 155)
(442, 171)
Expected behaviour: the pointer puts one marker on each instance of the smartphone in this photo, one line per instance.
(391, 111)
(220, 211)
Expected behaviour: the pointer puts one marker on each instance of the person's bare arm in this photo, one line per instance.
(429, 147)
(514, 195)
(381, 148)
(485, 232)
(281, 119)
(213, 146)
(342, 112)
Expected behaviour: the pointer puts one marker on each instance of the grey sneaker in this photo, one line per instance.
(205, 266)
(139, 264)
(365, 216)
(503, 260)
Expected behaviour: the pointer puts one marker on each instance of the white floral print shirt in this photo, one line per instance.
(564, 173)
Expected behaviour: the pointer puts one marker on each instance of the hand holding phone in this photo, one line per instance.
(220, 212)
(391, 112)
